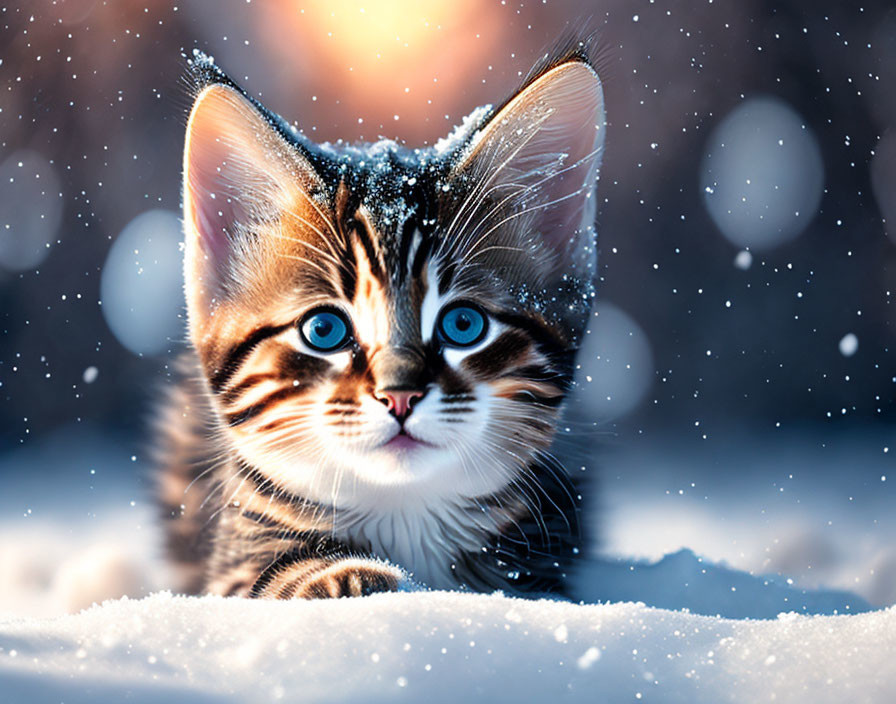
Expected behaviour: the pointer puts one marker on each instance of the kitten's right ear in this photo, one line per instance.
(534, 165)
(239, 174)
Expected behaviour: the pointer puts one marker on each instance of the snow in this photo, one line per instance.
(684, 581)
(432, 646)
(743, 260)
(807, 504)
(440, 647)
(461, 132)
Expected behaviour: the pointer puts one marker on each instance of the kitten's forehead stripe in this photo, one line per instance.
(371, 305)
(363, 230)
(415, 239)
(348, 275)
(446, 276)
(407, 234)
(422, 255)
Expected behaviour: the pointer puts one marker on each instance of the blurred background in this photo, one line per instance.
(738, 377)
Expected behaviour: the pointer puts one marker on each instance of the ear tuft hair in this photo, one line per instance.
(240, 179)
(530, 173)
(202, 71)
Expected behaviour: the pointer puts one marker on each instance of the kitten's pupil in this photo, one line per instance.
(463, 322)
(323, 328)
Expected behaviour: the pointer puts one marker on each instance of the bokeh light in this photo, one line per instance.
(849, 344)
(141, 285)
(30, 210)
(615, 364)
(762, 174)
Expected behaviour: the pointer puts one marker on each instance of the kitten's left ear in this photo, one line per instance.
(532, 171)
(240, 177)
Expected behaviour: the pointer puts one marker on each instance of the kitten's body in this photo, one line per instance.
(292, 470)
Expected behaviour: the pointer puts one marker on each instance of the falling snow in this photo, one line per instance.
(733, 398)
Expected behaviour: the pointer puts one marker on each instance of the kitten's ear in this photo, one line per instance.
(532, 169)
(240, 174)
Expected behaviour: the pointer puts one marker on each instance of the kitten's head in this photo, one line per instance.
(371, 316)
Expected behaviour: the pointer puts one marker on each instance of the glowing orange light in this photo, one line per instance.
(387, 58)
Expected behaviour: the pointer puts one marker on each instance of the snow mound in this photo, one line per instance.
(685, 581)
(440, 647)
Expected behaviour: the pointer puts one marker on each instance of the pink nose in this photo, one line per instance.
(399, 402)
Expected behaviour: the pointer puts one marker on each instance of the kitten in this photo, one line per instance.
(382, 341)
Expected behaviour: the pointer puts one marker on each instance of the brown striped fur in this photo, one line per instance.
(288, 471)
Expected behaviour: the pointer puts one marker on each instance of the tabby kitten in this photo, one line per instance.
(382, 340)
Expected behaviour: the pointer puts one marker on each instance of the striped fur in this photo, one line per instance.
(291, 472)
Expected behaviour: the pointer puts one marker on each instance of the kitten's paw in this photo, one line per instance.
(352, 577)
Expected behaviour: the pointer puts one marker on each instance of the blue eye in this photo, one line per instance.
(325, 330)
(462, 325)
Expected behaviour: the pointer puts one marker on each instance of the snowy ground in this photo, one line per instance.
(798, 526)
(441, 647)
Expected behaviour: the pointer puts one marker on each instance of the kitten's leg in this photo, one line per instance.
(279, 553)
(313, 569)
(295, 577)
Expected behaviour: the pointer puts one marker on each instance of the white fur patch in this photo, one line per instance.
(432, 303)
(455, 355)
(419, 536)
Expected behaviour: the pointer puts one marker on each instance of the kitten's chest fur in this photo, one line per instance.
(425, 537)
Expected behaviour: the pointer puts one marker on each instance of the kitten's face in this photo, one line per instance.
(374, 318)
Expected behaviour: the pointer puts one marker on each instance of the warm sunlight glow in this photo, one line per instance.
(397, 60)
